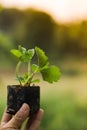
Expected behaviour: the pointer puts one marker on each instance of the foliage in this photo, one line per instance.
(50, 73)
(39, 29)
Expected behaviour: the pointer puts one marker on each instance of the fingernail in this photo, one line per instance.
(24, 107)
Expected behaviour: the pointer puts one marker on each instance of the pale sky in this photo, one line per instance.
(61, 10)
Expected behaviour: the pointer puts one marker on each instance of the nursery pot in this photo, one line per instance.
(17, 95)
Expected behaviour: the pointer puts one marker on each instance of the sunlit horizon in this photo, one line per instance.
(63, 11)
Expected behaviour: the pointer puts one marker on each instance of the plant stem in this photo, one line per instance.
(28, 69)
(17, 70)
(30, 77)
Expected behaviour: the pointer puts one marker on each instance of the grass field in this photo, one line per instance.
(64, 103)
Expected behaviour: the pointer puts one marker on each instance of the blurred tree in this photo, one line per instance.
(83, 38)
(31, 28)
(71, 39)
(39, 29)
(1, 8)
(9, 18)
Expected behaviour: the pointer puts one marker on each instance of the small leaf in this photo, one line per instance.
(22, 49)
(35, 81)
(25, 76)
(20, 79)
(51, 74)
(16, 53)
(35, 67)
(31, 53)
(27, 56)
(42, 58)
(45, 67)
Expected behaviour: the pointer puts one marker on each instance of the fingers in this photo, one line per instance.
(6, 117)
(21, 115)
(40, 114)
(35, 122)
(17, 121)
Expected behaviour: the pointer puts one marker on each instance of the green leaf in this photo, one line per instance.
(16, 53)
(42, 58)
(25, 76)
(20, 79)
(45, 67)
(22, 49)
(34, 67)
(51, 74)
(35, 81)
(27, 56)
(31, 53)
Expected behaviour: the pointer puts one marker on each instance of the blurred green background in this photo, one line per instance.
(65, 102)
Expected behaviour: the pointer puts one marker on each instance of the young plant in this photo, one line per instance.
(50, 73)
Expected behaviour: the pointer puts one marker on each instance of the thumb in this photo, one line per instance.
(19, 118)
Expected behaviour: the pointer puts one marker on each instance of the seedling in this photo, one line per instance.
(25, 91)
(50, 73)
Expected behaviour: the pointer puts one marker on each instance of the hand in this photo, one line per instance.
(15, 123)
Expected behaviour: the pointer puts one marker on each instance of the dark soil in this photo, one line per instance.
(18, 95)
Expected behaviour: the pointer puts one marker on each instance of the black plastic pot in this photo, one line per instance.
(17, 95)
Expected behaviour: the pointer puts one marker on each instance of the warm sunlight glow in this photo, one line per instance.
(63, 10)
